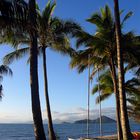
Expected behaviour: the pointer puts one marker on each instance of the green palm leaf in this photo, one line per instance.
(127, 16)
(15, 55)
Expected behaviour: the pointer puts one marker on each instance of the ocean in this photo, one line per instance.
(63, 131)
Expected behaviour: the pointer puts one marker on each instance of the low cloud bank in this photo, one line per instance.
(79, 113)
(70, 115)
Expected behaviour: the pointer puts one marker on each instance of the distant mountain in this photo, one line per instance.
(65, 123)
(83, 121)
(56, 121)
(104, 120)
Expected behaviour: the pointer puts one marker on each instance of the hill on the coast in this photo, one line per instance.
(105, 119)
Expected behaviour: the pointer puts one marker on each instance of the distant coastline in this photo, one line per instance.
(105, 119)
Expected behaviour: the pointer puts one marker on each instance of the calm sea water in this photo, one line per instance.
(25, 131)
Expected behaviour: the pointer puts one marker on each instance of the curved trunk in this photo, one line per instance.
(36, 110)
(114, 78)
(124, 116)
(50, 124)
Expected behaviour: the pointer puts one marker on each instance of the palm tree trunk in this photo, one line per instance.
(50, 124)
(114, 78)
(124, 116)
(36, 110)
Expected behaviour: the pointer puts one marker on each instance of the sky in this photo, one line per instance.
(67, 88)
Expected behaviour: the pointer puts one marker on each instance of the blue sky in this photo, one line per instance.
(67, 88)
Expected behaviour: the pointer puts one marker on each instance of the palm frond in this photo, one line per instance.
(96, 19)
(47, 12)
(15, 55)
(5, 70)
(13, 14)
(14, 37)
(94, 89)
(127, 16)
(134, 107)
(102, 97)
(62, 45)
(1, 94)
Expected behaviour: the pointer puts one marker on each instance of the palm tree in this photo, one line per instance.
(50, 37)
(132, 87)
(107, 88)
(124, 116)
(15, 17)
(4, 70)
(46, 15)
(51, 34)
(102, 49)
(36, 109)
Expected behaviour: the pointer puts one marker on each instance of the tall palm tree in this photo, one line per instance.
(44, 22)
(50, 36)
(15, 17)
(36, 109)
(122, 97)
(52, 33)
(4, 70)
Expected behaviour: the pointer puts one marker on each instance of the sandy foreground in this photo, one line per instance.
(112, 137)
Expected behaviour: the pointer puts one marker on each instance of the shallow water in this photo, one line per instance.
(25, 131)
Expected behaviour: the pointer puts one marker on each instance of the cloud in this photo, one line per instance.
(79, 113)
(11, 117)
(70, 115)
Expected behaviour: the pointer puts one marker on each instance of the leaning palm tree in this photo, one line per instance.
(52, 33)
(4, 70)
(101, 47)
(124, 116)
